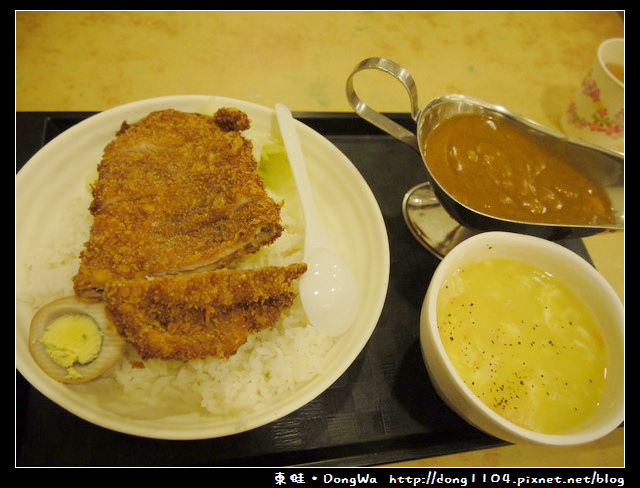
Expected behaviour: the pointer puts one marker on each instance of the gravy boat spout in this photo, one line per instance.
(603, 166)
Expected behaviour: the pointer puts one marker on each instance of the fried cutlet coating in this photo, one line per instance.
(198, 315)
(133, 239)
(167, 148)
(178, 197)
(230, 119)
(175, 192)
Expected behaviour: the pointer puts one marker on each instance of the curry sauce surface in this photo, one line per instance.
(492, 167)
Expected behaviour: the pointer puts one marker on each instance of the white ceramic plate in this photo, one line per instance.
(353, 217)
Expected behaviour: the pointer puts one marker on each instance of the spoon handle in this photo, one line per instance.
(314, 234)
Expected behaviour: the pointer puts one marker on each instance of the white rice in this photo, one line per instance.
(273, 363)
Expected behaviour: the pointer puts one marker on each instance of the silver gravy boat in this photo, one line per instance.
(437, 219)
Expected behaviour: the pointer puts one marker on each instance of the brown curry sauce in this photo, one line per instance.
(492, 167)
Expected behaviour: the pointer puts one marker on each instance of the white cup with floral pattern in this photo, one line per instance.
(596, 113)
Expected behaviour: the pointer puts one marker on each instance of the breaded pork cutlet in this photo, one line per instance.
(198, 315)
(175, 192)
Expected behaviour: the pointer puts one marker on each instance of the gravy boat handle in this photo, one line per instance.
(377, 119)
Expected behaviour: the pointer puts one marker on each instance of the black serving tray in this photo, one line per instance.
(382, 410)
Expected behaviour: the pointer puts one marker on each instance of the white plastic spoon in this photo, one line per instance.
(328, 290)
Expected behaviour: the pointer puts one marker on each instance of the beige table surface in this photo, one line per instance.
(530, 62)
